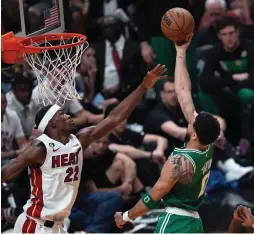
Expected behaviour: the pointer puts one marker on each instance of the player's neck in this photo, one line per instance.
(195, 145)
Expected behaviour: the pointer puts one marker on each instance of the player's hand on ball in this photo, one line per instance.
(119, 220)
(153, 76)
(183, 45)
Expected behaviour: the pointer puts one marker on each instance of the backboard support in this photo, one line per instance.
(33, 17)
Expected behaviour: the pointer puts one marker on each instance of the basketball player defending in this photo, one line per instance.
(55, 161)
(185, 174)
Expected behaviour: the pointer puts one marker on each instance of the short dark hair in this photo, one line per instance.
(207, 128)
(109, 109)
(40, 114)
(226, 21)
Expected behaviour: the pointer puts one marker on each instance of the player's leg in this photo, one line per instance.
(171, 223)
(25, 225)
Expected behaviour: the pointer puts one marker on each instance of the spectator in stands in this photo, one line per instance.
(124, 140)
(11, 131)
(106, 171)
(119, 61)
(93, 211)
(87, 74)
(207, 37)
(167, 119)
(97, 10)
(228, 77)
(79, 9)
(73, 107)
(19, 100)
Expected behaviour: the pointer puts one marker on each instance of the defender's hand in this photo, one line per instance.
(153, 76)
(119, 220)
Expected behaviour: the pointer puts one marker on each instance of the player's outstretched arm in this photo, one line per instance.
(182, 82)
(124, 109)
(178, 168)
(34, 154)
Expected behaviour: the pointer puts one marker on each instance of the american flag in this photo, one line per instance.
(51, 17)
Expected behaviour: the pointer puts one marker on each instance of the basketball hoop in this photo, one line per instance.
(54, 59)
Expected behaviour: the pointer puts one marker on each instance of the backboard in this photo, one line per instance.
(32, 17)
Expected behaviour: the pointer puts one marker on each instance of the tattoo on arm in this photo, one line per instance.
(182, 169)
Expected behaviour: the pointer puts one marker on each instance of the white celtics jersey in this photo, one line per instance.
(54, 185)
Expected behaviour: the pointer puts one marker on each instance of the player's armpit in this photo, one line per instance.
(34, 154)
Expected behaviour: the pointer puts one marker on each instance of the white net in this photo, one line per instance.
(55, 70)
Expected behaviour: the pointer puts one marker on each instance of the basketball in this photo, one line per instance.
(177, 24)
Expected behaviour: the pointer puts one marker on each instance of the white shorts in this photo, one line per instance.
(25, 224)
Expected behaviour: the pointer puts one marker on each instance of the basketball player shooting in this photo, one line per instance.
(55, 161)
(185, 174)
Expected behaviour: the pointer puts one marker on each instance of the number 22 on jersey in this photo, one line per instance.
(70, 171)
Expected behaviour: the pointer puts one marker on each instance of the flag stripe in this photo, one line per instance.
(51, 17)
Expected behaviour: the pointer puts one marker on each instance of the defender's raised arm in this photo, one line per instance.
(124, 109)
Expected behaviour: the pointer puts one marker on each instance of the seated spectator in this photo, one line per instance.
(214, 10)
(167, 119)
(106, 171)
(11, 132)
(124, 140)
(79, 10)
(93, 211)
(19, 100)
(119, 61)
(97, 10)
(81, 117)
(86, 75)
(227, 81)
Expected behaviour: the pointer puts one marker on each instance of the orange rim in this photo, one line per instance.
(26, 46)
(13, 48)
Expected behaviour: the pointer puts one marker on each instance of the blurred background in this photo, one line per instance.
(125, 42)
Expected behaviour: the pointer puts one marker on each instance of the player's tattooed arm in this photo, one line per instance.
(182, 82)
(179, 169)
(33, 155)
(182, 169)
